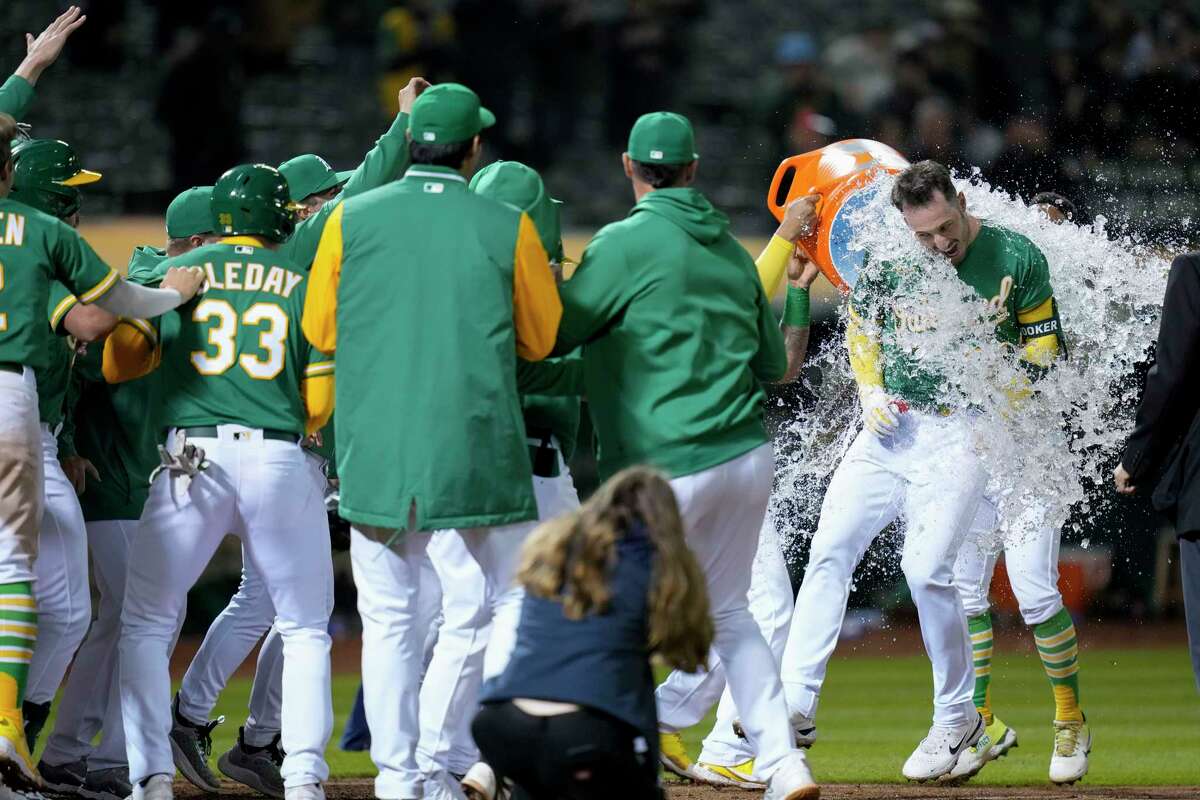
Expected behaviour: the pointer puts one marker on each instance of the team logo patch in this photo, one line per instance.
(657, 155)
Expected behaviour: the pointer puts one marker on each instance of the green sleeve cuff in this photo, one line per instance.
(15, 97)
(797, 307)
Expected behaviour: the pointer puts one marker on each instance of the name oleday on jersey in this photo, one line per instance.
(251, 277)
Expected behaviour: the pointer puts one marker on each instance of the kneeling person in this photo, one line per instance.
(240, 388)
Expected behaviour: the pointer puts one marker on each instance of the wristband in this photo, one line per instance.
(796, 308)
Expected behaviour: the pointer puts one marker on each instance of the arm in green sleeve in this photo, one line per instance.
(596, 294)
(16, 95)
(553, 377)
(385, 162)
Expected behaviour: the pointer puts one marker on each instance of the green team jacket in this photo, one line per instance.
(385, 162)
(116, 427)
(428, 292)
(677, 334)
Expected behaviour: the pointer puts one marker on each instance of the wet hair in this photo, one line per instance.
(568, 560)
(8, 132)
(452, 155)
(660, 176)
(1058, 201)
(917, 184)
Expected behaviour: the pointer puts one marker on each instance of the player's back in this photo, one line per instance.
(236, 353)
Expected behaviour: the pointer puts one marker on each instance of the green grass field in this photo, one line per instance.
(1142, 706)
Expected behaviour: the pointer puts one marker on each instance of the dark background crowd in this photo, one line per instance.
(1094, 99)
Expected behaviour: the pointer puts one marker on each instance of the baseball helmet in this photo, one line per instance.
(46, 173)
(253, 199)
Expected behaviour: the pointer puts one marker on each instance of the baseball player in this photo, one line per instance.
(1032, 565)
(255, 758)
(461, 459)
(115, 429)
(240, 388)
(37, 249)
(690, 404)
(920, 464)
(46, 173)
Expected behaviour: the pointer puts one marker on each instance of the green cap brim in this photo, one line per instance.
(486, 118)
(344, 176)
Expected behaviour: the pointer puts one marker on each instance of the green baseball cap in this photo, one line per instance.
(518, 185)
(190, 213)
(310, 174)
(662, 137)
(447, 114)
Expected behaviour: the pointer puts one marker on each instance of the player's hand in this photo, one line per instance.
(185, 280)
(800, 218)
(313, 440)
(1122, 481)
(44, 49)
(77, 468)
(800, 271)
(881, 412)
(410, 93)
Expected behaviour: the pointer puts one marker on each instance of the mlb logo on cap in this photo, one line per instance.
(656, 155)
(429, 136)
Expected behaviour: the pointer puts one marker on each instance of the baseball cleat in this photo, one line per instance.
(480, 782)
(674, 755)
(309, 791)
(996, 741)
(107, 784)
(16, 765)
(64, 778)
(738, 776)
(256, 767)
(1072, 744)
(940, 750)
(804, 729)
(191, 746)
(156, 787)
(35, 716)
(792, 780)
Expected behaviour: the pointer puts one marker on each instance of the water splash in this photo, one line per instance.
(1042, 454)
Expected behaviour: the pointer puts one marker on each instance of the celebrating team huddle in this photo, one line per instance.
(202, 389)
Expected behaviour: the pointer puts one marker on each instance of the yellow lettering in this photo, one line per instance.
(14, 231)
(254, 277)
(274, 281)
(292, 280)
(232, 279)
(213, 283)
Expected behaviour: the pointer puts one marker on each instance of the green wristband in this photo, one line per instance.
(796, 308)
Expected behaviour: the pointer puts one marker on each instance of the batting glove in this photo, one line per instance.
(881, 412)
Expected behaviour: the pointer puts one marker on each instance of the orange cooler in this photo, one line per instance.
(840, 173)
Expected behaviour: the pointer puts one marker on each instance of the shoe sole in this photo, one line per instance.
(804, 793)
(711, 777)
(68, 789)
(671, 767)
(189, 772)
(1000, 751)
(96, 794)
(246, 777)
(13, 773)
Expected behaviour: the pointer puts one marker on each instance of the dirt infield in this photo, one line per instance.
(361, 789)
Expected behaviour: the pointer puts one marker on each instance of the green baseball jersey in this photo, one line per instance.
(55, 375)
(1001, 266)
(36, 249)
(117, 426)
(677, 334)
(236, 354)
(15, 96)
(385, 162)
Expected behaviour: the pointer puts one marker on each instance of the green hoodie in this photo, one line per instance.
(677, 334)
(116, 428)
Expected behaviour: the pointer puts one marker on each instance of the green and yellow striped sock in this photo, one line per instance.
(18, 634)
(1059, 649)
(981, 644)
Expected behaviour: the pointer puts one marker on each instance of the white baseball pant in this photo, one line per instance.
(480, 618)
(929, 474)
(91, 698)
(685, 698)
(264, 492)
(723, 509)
(1031, 561)
(227, 643)
(64, 598)
(20, 475)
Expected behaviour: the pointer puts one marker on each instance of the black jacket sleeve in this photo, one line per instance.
(1170, 400)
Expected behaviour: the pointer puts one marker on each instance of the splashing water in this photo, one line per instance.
(1041, 453)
